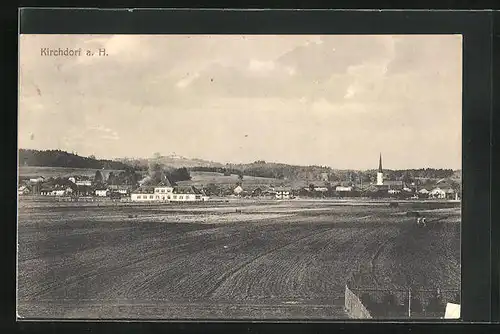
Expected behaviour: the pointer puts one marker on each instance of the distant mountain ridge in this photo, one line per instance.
(173, 160)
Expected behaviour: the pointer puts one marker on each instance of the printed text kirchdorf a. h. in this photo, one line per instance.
(70, 52)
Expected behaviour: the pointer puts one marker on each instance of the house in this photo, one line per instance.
(52, 191)
(38, 179)
(23, 190)
(443, 193)
(238, 190)
(394, 191)
(321, 189)
(423, 191)
(120, 189)
(164, 187)
(187, 194)
(163, 191)
(143, 194)
(343, 188)
(174, 194)
(80, 181)
(282, 193)
(102, 192)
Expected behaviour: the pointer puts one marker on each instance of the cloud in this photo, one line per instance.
(103, 132)
(186, 81)
(261, 66)
(153, 90)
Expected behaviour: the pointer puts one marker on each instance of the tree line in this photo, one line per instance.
(319, 173)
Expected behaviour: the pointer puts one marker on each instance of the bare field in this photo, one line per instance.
(201, 179)
(269, 260)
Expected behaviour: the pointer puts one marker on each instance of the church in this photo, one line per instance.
(386, 184)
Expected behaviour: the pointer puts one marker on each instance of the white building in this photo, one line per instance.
(55, 192)
(143, 194)
(23, 190)
(37, 179)
(238, 190)
(282, 193)
(187, 194)
(343, 188)
(80, 182)
(443, 193)
(102, 192)
(164, 192)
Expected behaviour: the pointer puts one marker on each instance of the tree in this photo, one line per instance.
(111, 178)
(98, 178)
(180, 174)
(212, 189)
(240, 176)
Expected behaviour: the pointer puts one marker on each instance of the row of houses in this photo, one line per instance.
(164, 191)
(389, 188)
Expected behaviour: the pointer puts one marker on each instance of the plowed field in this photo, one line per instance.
(269, 260)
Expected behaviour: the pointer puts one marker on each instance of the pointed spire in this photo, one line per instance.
(380, 164)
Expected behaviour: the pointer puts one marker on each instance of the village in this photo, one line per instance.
(86, 187)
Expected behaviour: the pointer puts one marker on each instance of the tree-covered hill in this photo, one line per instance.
(58, 158)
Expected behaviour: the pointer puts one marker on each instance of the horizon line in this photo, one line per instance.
(231, 163)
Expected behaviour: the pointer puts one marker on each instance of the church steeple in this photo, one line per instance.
(380, 173)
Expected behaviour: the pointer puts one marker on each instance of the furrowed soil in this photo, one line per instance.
(244, 259)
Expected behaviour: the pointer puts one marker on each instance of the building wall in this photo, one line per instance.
(158, 197)
(142, 197)
(186, 197)
(84, 183)
(437, 194)
(54, 193)
(283, 194)
(380, 179)
(164, 190)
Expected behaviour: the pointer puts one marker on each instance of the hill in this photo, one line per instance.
(58, 158)
(172, 161)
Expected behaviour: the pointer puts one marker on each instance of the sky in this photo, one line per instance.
(334, 100)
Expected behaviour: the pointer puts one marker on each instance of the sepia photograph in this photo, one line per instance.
(239, 177)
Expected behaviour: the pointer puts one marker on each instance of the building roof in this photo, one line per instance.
(281, 189)
(186, 190)
(120, 186)
(144, 190)
(51, 189)
(164, 183)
